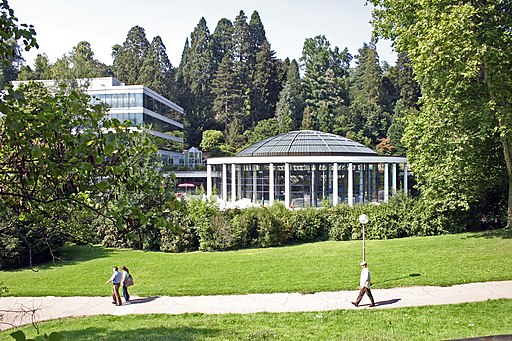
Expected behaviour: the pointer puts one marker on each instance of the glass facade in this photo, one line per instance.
(126, 100)
(311, 184)
(308, 168)
(158, 107)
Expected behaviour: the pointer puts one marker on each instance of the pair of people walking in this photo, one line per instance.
(364, 285)
(120, 279)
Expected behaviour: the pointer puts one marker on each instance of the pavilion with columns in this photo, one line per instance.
(306, 168)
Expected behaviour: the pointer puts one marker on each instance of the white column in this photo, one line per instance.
(271, 194)
(405, 178)
(393, 181)
(386, 182)
(287, 193)
(239, 184)
(254, 183)
(208, 181)
(224, 183)
(350, 189)
(233, 183)
(335, 184)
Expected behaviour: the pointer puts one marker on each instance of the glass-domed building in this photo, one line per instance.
(305, 168)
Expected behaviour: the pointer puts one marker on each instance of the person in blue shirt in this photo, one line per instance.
(116, 279)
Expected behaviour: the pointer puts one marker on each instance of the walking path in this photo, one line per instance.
(55, 307)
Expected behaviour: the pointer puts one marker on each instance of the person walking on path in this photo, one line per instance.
(364, 285)
(116, 279)
(127, 281)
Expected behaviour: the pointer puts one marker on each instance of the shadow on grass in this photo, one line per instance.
(156, 334)
(396, 279)
(491, 234)
(72, 255)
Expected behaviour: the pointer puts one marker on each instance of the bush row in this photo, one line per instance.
(198, 225)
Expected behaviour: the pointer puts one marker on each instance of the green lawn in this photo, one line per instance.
(417, 323)
(325, 266)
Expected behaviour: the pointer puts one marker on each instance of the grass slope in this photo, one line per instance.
(417, 323)
(324, 266)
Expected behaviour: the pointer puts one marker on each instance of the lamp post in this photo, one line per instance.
(363, 219)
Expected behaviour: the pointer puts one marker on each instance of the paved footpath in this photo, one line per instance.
(55, 307)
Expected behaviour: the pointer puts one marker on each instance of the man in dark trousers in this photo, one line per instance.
(364, 285)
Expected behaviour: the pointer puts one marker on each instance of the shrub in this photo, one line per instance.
(340, 221)
(269, 229)
(182, 235)
(309, 224)
(284, 217)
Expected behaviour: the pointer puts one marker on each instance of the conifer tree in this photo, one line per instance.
(257, 33)
(156, 72)
(325, 72)
(366, 106)
(130, 57)
(229, 100)
(221, 41)
(265, 85)
(197, 70)
(290, 106)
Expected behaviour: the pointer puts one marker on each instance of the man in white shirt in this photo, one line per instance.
(116, 283)
(364, 285)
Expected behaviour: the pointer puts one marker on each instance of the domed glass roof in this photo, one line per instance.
(306, 142)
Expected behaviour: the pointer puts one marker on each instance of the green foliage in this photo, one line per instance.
(14, 34)
(156, 71)
(463, 132)
(130, 57)
(79, 64)
(324, 85)
(143, 203)
(290, 106)
(211, 141)
(181, 235)
(194, 76)
(264, 129)
(309, 225)
(367, 106)
(51, 173)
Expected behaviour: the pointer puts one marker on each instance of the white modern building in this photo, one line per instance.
(140, 105)
(305, 169)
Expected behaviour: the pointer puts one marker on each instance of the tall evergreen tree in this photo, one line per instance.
(229, 100)
(197, 70)
(242, 52)
(325, 71)
(221, 41)
(290, 106)
(156, 72)
(232, 83)
(182, 93)
(366, 92)
(265, 85)
(130, 57)
(257, 32)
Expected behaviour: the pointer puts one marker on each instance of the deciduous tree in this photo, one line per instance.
(460, 53)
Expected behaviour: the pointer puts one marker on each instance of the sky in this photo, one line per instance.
(61, 24)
